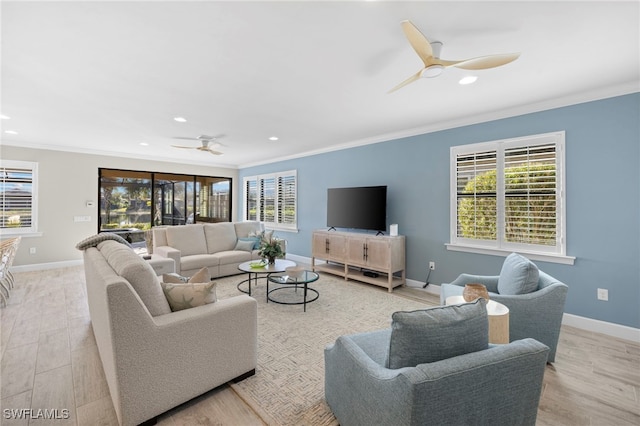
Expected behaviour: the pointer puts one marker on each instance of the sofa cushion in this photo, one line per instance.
(197, 261)
(220, 237)
(430, 335)
(126, 263)
(198, 291)
(94, 240)
(189, 239)
(232, 256)
(243, 229)
(519, 275)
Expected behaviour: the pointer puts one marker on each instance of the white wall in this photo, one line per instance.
(66, 182)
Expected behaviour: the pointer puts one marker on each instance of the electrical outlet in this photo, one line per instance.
(432, 265)
(603, 294)
(32, 250)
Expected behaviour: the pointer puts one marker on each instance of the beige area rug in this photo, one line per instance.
(288, 387)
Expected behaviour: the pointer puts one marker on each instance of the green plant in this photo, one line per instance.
(270, 249)
(527, 219)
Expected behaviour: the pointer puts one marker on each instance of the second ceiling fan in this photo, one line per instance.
(205, 142)
(429, 52)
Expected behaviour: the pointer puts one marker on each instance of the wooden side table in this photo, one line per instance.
(498, 318)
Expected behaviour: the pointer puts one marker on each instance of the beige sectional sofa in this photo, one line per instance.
(155, 359)
(221, 247)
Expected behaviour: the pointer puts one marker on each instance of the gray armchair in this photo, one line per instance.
(499, 386)
(536, 314)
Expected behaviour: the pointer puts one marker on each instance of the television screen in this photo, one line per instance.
(360, 207)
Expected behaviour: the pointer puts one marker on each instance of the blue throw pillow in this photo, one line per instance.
(254, 240)
(519, 275)
(434, 334)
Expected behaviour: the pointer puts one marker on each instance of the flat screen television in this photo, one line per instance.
(362, 207)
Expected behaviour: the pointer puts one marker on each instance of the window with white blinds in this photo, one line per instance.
(509, 194)
(271, 199)
(18, 197)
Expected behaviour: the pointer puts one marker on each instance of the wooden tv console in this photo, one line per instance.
(374, 259)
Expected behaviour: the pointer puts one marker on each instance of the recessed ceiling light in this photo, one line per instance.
(11, 132)
(468, 79)
(180, 119)
(144, 144)
(273, 138)
(4, 117)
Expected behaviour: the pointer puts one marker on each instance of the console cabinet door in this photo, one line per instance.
(378, 254)
(356, 251)
(328, 246)
(319, 246)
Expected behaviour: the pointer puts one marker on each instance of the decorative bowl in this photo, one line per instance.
(474, 291)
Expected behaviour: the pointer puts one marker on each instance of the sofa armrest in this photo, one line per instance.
(456, 287)
(467, 389)
(489, 281)
(171, 253)
(359, 390)
(161, 362)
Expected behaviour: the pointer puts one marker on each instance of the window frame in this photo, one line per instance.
(500, 247)
(192, 197)
(257, 183)
(32, 230)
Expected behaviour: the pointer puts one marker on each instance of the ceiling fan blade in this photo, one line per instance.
(485, 62)
(419, 42)
(184, 138)
(214, 152)
(185, 147)
(407, 81)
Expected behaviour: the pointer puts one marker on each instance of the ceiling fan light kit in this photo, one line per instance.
(432, 71)
(429, 52)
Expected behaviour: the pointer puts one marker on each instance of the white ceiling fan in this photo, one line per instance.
(205, 141)
(429, 52)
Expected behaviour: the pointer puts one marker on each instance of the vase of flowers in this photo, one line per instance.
(270, 249)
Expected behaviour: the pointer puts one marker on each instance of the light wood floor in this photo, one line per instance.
(50, 360)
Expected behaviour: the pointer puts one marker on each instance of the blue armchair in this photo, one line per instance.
(499, 386)
(536, 314)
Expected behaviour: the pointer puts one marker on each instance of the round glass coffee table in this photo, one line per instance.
(255, 268)
(291, 281)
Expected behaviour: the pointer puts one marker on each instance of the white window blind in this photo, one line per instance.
(509, 194)
(251, 199)
(271, 199)
(18, 197)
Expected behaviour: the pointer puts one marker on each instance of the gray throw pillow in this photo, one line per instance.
(519, 275)
(434, 334)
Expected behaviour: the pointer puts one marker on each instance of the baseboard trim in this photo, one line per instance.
(583, 323)
(602, 327)
(46, 266)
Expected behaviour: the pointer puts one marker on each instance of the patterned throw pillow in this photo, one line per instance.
(94, 240)
(198, 291)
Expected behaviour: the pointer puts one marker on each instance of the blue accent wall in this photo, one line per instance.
(603, 199)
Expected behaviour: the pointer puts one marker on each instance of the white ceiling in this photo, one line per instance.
(103, 77)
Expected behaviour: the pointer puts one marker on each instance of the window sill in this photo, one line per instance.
(543, 257)
(281, 229)
(25, 234)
